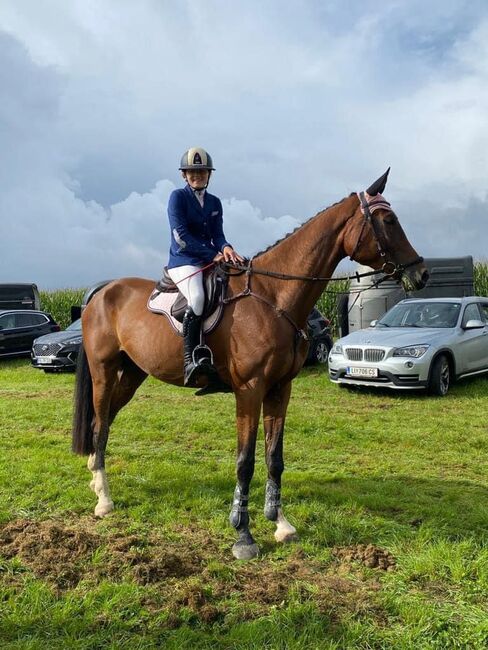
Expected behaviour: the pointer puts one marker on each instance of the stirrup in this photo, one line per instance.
(202, 355)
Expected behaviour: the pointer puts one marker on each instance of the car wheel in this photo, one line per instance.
(321, 349)
(440, 376)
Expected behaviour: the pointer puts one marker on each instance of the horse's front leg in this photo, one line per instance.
(274, 412)
(248, 405)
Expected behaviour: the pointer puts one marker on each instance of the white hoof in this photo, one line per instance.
(284, 532)
(103, 509)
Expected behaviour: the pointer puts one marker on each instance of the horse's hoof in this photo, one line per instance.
(103, 509)
(286, 536)
(245, 551)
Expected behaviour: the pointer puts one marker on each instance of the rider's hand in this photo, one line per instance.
(218, 258)
(231, 256)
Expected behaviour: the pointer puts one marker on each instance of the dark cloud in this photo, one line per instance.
(298, 104)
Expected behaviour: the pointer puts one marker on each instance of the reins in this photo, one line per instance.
(388, 269)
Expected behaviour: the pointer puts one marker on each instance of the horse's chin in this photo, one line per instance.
(414, 281)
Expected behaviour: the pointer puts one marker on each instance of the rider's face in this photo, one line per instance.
(197, 179)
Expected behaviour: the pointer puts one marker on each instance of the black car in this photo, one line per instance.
(58, 351)
(19, 328)
(320, 338)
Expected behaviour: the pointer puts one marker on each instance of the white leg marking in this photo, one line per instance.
(99, 484)
(284, 532)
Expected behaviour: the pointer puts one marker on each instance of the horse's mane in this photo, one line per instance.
(300, 226)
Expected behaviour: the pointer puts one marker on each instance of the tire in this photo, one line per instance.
(440, 376)
(321, 349)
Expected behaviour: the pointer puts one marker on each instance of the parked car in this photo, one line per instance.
(58, 351)
(320, 338)
(19, 328)
(424, 343)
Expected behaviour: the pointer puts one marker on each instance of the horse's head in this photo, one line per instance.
(375, 238)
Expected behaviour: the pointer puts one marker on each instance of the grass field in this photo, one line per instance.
(388, 491)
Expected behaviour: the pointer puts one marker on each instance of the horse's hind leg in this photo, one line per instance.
(118, 386)
(274, 411)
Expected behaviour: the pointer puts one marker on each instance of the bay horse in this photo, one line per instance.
(258, 347)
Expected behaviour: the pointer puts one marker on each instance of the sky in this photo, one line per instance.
(299, 103)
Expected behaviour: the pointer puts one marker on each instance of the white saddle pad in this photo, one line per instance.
(161, 303)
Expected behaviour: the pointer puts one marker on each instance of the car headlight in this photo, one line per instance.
(74, 341)
(415, 351)
(336, 349)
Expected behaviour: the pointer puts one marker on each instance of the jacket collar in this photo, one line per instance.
(191, 192)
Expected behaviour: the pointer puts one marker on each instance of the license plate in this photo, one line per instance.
(362, 372)
(44, 359)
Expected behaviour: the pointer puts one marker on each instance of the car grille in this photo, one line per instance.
(369, 354)
(43, 350)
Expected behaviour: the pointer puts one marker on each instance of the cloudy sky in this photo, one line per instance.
(299, 103)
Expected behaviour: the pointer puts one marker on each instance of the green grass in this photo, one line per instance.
(401, 472)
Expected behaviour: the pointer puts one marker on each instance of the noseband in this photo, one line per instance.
(377, 202)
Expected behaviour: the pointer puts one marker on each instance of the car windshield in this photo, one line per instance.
(425, 314)
(75, 326)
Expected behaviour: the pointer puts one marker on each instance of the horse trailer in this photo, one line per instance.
(19, 295)
(448, 277)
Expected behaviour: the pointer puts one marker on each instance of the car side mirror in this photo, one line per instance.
(373, 323)
(474, 324)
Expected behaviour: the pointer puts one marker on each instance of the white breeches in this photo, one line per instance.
(190, 287)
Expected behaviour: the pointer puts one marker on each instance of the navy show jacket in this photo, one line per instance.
(196, 233)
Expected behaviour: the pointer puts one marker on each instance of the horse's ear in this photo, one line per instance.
(378, 186)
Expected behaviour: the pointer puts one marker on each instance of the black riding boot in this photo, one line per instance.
(195, 365)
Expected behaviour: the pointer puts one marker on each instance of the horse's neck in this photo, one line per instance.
(315, 249)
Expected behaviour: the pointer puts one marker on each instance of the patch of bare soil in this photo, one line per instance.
(370, 555)
(48, 548)
(189, 571)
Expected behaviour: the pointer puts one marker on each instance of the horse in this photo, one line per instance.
(258, 347)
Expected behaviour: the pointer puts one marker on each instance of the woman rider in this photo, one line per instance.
(197, 239)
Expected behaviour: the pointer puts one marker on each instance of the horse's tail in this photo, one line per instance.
(82, 441)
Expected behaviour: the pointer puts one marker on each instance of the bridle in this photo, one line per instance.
(367, 209)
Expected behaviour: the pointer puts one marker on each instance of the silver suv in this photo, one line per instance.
(425, 343)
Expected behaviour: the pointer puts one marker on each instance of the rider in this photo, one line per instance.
(197, 239)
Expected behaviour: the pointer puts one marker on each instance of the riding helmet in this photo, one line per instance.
(196, 158)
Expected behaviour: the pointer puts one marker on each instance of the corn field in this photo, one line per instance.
(58, 303)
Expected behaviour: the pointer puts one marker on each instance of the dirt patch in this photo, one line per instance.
(48, 548)
(370, 555)
(186, 571)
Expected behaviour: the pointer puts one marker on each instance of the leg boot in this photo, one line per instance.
(191, 339)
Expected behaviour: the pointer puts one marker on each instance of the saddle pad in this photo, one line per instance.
(161, 303)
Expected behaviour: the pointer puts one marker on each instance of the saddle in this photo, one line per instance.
(168, 300)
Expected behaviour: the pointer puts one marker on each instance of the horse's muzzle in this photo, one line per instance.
(415, 277)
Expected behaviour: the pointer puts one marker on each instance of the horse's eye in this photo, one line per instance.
(390, 220)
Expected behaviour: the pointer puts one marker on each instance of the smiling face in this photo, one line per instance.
(197, 179)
